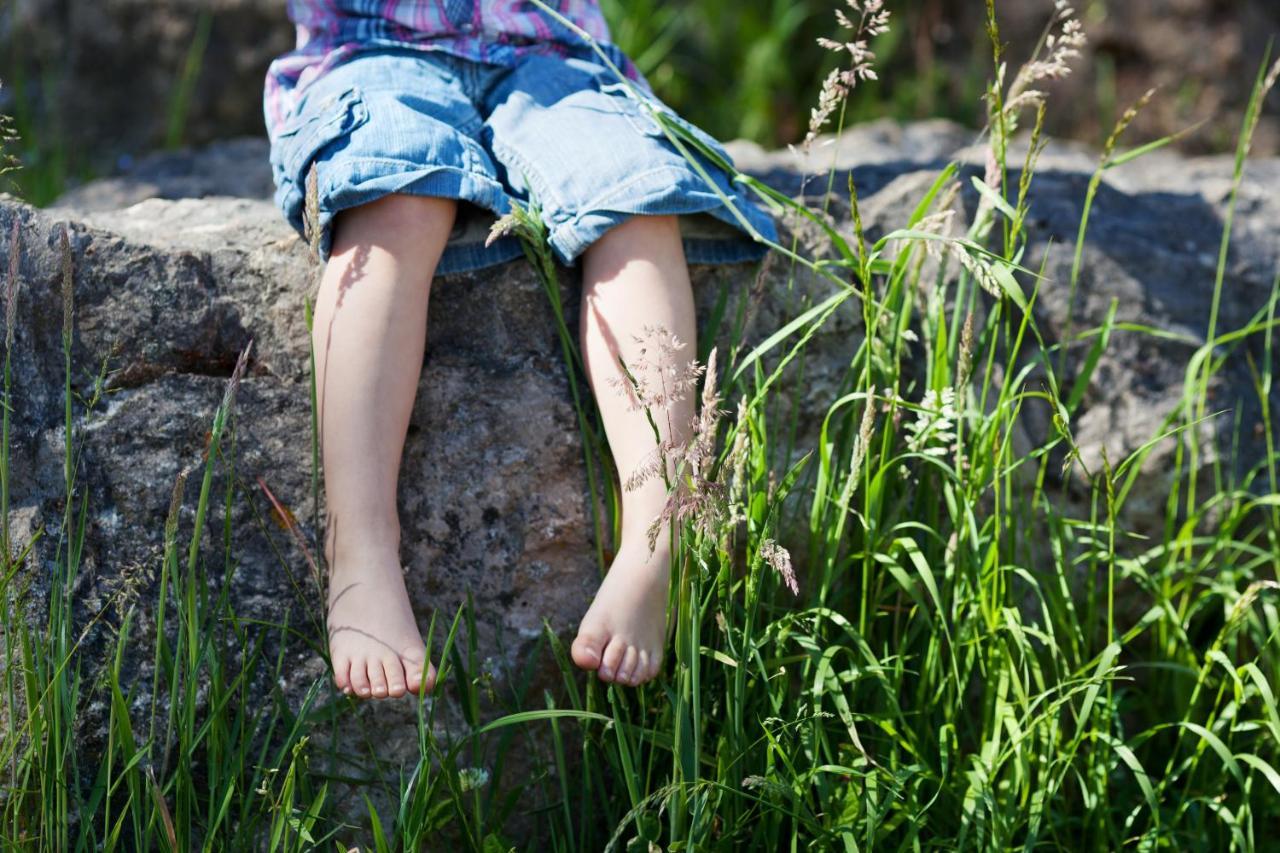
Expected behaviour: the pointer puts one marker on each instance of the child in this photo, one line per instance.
(415, 114)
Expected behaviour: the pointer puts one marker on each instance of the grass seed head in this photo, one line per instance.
(501, 227)
(872, 20)
(779, 559)
(1062, 46)
(865, 429)
(175, 505)
(229, 395)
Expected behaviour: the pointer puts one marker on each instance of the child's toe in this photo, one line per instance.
(377, 678)
(587, 650)
(394, 670)
(359, 678)
(413, 676)
(642, 668)
(627, 669)
(420, 675)
(341, 674)
(611, 658)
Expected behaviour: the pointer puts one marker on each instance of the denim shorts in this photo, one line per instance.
(562, 131)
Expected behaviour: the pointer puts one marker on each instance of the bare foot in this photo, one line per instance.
(374, 641)
(624, 631)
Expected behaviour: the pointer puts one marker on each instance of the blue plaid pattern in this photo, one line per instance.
(492, 31)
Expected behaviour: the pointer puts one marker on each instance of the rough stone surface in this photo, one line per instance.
(177, 276)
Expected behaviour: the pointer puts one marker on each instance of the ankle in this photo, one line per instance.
(364, 541)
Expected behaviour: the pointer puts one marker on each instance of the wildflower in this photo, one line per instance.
(1241, 608)
(980, 270)
(780, 560)
(501, 227)
(944, 246)
(1268, 82)
(992, 174)
(133, 576)
(697, 496)
(873, 20)
(471, 778)
(936, 223)
(659, 381)
(738, 465)
(1062, 47)
(931, 431)
(863, 439)
(656, 379)
(175, 504)
(966, 350)
(702, 447)
(940, 223)
(774, 790)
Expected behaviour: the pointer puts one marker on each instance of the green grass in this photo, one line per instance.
(967, 665)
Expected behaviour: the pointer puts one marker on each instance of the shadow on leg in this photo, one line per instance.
(634, 277)
(369, 335)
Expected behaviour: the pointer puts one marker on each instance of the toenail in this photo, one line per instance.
(605, 672)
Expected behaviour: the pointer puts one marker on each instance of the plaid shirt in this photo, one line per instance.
(496, 31)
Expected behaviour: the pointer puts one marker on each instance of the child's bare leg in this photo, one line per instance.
(633, 276)
(369, 334)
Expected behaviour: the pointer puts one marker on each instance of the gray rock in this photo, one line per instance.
(234, 167)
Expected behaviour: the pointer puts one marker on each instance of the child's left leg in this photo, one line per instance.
(633, 276)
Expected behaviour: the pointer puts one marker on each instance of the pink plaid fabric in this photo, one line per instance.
(496, 31)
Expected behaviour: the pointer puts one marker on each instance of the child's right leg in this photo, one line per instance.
(369, 334)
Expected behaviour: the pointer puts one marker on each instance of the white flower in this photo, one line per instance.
(470, 778)
(932, 431)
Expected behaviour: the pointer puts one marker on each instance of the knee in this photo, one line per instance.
(649, 224)
(396, 216)
(412, 211)
(640, 232)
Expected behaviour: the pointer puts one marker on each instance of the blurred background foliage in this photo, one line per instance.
(752, 68)
(92, 86)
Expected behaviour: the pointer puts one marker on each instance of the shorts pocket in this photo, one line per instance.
(302, 137)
